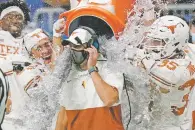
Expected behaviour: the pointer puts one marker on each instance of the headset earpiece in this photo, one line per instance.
(96, 44)
(78, 40)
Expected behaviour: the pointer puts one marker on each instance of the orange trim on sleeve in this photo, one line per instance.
(31, 82)
(161, 80)
(9, 73)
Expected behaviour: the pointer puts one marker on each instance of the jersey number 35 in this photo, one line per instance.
(169, 64)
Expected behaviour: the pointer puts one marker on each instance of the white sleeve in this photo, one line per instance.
(116, 80)
(169, 74)
(18, 58)
(28, 78)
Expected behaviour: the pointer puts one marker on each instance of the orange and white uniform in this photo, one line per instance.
(174, 78)
(30, 76)
(85, 110)
(11, 47)
(9, 44)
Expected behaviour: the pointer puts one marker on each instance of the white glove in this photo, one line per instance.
(58, 27)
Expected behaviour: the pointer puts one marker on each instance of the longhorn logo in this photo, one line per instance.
(172, 27)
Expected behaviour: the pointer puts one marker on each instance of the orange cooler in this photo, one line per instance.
(106, 17)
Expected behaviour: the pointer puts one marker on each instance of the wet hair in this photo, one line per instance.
(21, 5)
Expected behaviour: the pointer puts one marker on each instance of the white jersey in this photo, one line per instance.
(174, 79)
(81, 99)
(9, 44)
(31, 75)
(9, 48)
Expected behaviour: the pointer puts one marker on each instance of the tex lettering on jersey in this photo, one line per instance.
(6, 49)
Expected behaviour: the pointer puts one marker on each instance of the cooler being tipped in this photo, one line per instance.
(106, 17)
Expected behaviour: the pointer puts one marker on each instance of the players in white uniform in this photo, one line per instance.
(168, 59)
(41, 49)
(39, 46)
(14, 16)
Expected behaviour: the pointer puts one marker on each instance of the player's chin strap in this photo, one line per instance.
(129, 102)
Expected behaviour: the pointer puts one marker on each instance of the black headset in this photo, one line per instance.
(94, 39)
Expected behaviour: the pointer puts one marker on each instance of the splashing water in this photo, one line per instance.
(40, 110)
(118, 54)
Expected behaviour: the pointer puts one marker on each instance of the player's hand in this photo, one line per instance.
(59, 27)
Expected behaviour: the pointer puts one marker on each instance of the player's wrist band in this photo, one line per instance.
(93, 69)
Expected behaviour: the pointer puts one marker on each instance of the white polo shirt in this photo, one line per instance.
(85, 110)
